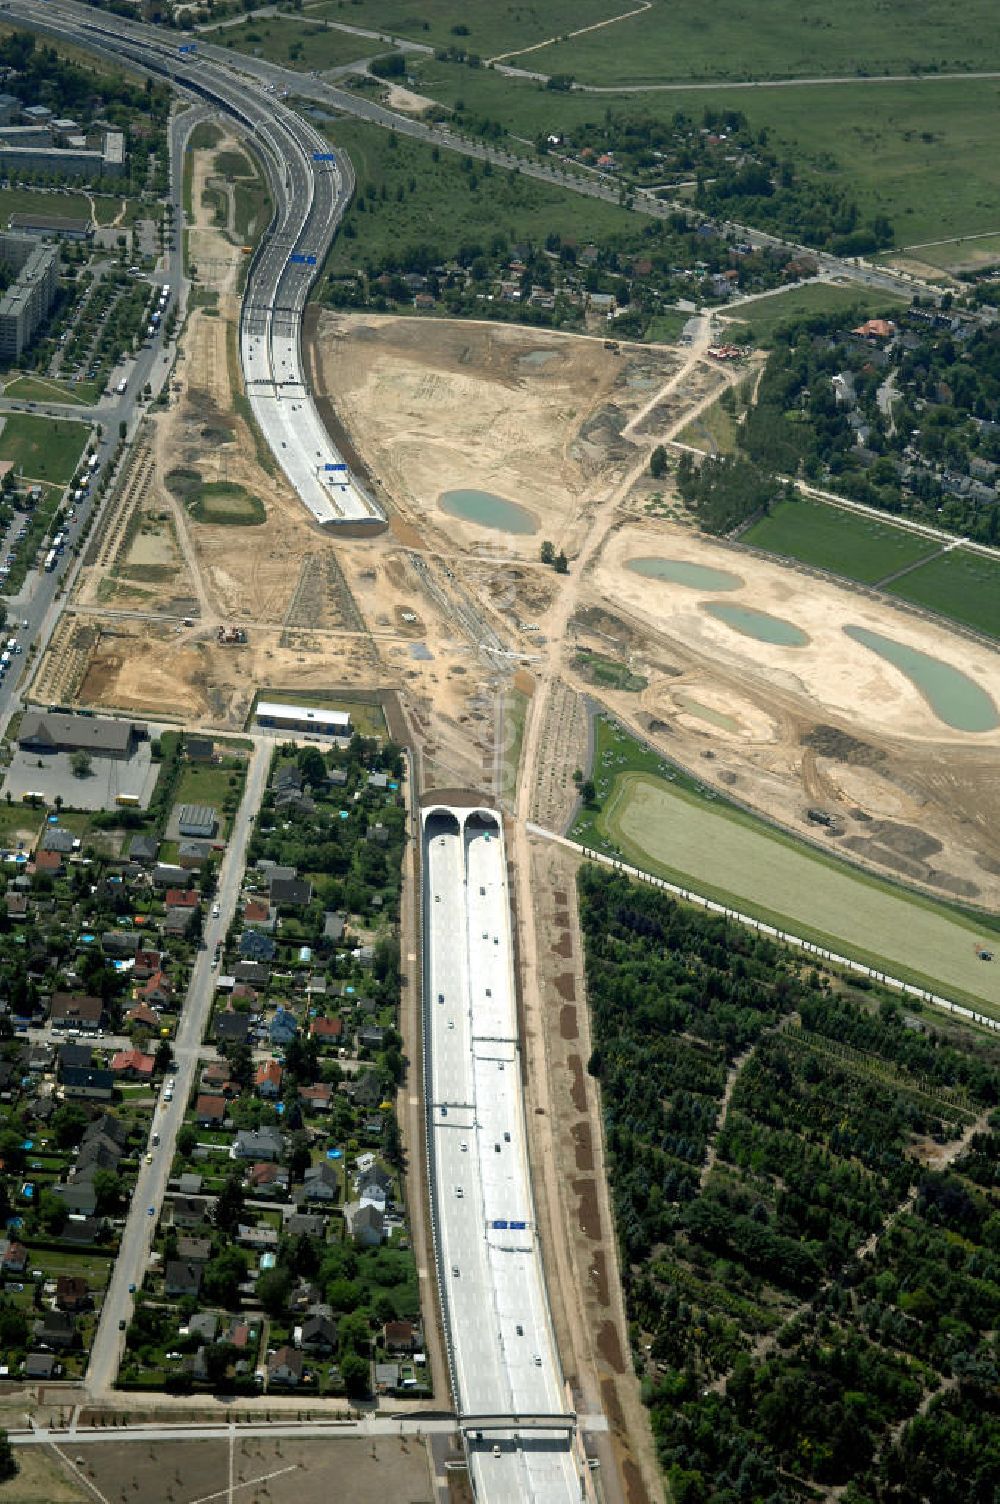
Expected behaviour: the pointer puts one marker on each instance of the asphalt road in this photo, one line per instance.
(130, 1265)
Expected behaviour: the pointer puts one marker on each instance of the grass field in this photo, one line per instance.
(608, 672)
(485, 29)
(44, 389)
(920, 152)
(787, 39)
(43, 448)
(758, 322)
(34, 201)
(515, 710)
(959, 584)
(299, 44)
(831, 538)
(661, 820)
(220, 501)
(411, 199)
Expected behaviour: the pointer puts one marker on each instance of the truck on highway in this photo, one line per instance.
(92, 463)
(165, 290)
(122, 386)
(50, 560)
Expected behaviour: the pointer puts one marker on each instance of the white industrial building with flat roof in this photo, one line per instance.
(508, 1386)
(303, 718)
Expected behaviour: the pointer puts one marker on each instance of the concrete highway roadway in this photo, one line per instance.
(130, 1265)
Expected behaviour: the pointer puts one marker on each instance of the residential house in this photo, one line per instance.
(157, 991)
(321, 1183)
(267, 1080)
(41, 1366)
(182, 1277)
(55, 1330)
(256, 946)
(204, 1324)
(107, 1126)
(259, 915)
(49, 862)
(326, 1030)
(259, 1239)
(252, 972)
(210, 1110)
(181, 898)
(75, 1056)
(13, 1256)
(318, 1332)
(73, 1293)
(216, 1080)
(191, 855)
(78, 1197)
(121, 944)
(370, 1037)
(386, 1377)
(17, 905)
(100, 1152)
(258, 1144)
(365, 1224)
(283, 1028)
(132, 1065)
(179, 922)
(305, 1225)
(82, 1084)
(73, 1010)
(194, 1250)
(56, 838)
(85, 1233)
(268, 1181)
(143, 848)
(401, 1337)
(166, 875)
(199, 748)
(231, 1027)
(373, 1181)
(378, 781)
(190, 1211)
(316, 1098)
(292, 892)
(143, 1016)
(285, 1368)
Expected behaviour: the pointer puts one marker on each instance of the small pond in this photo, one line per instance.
(953, 696)
(487, 510)
(681, 572)
(758, 624)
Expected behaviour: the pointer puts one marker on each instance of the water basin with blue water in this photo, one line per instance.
(682, 572)
(758, 624)
(487, 510)
(953, 696)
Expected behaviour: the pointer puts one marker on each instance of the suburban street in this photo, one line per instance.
(151, 1186)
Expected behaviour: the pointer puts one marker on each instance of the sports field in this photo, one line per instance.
(831, 538)
(679, 835)
(959, 584)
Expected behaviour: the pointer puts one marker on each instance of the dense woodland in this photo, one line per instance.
(819, 1307)
(725, 493)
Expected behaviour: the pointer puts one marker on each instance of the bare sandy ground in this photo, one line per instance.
(832, 672)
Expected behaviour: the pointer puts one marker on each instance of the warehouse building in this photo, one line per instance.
(198, 821)
(303, 718)
(51, 226)
(46, 731)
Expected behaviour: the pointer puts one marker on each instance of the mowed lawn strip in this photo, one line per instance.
(47, 449)
(959, 584)
(676, 835)
(830, 537)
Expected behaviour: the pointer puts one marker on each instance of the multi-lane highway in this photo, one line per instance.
(310, 189)
(506, 1375)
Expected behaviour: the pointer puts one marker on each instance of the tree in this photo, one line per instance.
(223, 1276)
(163, 1057)
(239, 1058)
(81, 764)
(312, 766)
(8, 1462)
(229, 1207)
(68, 1123)
(588, 792)
(299, 1157)
(548, 553)
(561, 563)
(658, 462)
(274, 1287)
(356, 1373)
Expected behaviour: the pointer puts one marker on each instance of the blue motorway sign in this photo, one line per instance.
(324, 156)
(334, 467)
(297, 258)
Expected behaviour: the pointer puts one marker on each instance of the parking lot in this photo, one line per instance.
(52, 776)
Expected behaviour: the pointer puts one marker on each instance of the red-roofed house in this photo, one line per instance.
(875, 329)
(147, 963)
(48, 861)
(329, 1030)
(268, 1079)
(133, 1064)
(210, 1110)
(143, 1015)
(268, 1180)
(180, 898)
(159, 990)
(258, 915)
